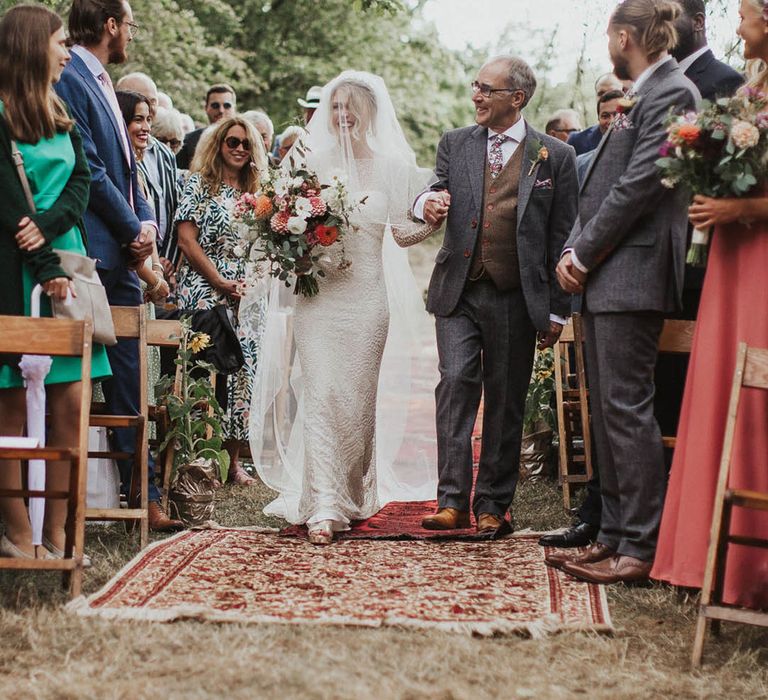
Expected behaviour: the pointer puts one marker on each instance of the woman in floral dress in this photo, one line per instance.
(228, 162)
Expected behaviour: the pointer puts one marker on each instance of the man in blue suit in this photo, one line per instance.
(119, 222)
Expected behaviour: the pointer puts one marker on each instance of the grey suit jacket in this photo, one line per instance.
(546, 210)
(631, 230)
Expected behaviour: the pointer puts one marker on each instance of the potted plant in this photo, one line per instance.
(194, 431)
(539, 419)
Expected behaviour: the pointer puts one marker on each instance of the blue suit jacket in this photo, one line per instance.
(110, 221)
(586, 140)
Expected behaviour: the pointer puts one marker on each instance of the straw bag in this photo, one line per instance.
(91, 300)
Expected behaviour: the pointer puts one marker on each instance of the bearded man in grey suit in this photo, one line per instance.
(509, 194)
(626, 254)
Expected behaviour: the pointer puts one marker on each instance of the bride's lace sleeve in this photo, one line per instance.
(412, 232)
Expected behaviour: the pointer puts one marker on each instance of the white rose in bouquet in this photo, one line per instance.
(297, 225)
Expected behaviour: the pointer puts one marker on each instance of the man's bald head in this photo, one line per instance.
(141, 83)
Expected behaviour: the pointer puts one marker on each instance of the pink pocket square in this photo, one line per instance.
(543, 184)
(622, 122)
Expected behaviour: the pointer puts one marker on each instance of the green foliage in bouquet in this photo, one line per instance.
(538, 402)
(194, 414)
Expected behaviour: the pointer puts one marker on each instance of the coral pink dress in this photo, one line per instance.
(734, 308)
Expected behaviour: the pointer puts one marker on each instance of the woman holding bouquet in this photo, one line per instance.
(733, 303)
(227, 163)
(337, 457)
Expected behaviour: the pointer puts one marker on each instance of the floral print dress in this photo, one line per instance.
(222, 244)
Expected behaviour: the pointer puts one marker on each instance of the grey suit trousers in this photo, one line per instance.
(485, 346)
(621, 350)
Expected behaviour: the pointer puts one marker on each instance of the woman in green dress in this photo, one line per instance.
(33, 54)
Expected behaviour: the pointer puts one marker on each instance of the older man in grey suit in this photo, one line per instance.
(509, 194)
(627, 253)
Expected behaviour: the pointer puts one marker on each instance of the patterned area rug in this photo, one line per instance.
(247, 576)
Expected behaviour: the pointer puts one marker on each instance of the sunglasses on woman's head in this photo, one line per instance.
(233, 142)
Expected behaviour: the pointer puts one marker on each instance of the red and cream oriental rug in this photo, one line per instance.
(241, 575)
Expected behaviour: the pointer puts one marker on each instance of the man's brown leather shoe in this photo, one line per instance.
(616, 569)
(489, 523)
(159, 521)
(586, 555)
(446, 519)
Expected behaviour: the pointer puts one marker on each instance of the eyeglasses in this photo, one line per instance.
(219, 105)
(133, 28)
(173, 143)
(487, 90)
(233, 142)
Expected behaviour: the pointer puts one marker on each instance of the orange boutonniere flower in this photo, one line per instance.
(542, 154)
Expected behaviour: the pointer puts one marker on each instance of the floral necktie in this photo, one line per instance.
(495, 159)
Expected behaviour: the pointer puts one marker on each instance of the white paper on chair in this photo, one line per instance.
(18, 442)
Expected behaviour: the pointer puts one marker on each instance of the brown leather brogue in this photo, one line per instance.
(159, 521)
(446, 519)
(584, 555)
(488, 523)
(616, 569)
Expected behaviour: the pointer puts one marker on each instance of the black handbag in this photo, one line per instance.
(224, 351)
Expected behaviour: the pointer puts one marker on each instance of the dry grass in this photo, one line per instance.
(47, 653)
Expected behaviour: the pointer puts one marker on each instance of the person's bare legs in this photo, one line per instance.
(13, 511)
(64, 407)
(237, 475)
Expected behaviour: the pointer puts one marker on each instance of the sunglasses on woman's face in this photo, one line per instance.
(233, 142)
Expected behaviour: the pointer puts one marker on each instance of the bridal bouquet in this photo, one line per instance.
(290, 221)
(720, 151)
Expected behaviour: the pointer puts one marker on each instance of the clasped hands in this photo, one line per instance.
(569, 276)
(436, 208)
(141, 248)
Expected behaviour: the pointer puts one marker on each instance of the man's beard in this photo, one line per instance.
(117, 53)
(621, 67)
(685, 45)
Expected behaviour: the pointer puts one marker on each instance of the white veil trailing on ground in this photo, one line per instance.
(354, 135)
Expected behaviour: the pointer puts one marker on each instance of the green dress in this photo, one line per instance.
(49, 164)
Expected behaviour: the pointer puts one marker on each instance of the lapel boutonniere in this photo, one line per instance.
(625, 104)
(542, 154)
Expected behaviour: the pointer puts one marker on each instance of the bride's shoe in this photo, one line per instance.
(321, 533)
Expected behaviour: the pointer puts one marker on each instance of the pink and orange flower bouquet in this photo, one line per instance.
(719, 151)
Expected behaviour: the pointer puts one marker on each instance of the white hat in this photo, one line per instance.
(313, 98)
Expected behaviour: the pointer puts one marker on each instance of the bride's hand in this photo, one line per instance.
(707, 211)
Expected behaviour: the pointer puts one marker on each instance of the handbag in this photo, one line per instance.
(91, 300)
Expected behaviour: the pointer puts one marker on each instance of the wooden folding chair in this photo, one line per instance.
(130, 322)
(676, 338)
(164, 333)
(571, 395)
(752, 372)
(56, 337)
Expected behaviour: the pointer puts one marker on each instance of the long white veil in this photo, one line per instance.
(373, 157)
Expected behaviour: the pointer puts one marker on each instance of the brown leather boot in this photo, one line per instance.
(159, 521)
(446, 519)
(588, 555)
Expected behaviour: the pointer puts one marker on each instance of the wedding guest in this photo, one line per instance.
(167, 129)
(509, 195)
(136, 110)
(310, 102)
(227, 163)
(33, 54)
(562, 124)
(735, 293)
(263, 125)
(220, 103)
(157, 163)
(625, 255)
(119, 221)
(589, 138)
(287, 139)
(714, 79)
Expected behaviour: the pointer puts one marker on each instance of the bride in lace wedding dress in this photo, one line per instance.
(332, 396)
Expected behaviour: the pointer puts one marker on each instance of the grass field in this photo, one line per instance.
(48, 653)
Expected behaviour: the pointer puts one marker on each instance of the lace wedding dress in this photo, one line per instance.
(340, 337)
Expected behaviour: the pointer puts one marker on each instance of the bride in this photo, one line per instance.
(332, 395)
